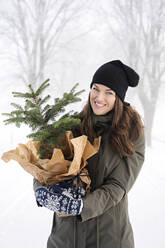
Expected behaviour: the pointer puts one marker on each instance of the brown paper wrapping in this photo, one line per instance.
(56, 169)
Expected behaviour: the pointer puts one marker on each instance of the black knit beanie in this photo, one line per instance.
(116, 76)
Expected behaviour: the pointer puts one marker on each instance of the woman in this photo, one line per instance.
(100, 219)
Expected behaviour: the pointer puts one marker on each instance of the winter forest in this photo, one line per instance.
(66, 41)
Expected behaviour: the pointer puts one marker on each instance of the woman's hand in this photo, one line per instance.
(61, 198)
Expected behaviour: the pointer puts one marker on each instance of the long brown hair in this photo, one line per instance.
(126, 126)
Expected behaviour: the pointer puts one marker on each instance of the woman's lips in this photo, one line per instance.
(98, 105)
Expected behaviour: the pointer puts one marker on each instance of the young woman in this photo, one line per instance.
(100, 219)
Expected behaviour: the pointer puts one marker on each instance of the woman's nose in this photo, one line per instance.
(100, 96)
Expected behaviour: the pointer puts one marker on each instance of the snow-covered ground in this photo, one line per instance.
(147, 200)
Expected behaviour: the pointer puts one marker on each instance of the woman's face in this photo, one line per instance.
(102, 99)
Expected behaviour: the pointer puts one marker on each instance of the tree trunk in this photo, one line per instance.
(149, 112)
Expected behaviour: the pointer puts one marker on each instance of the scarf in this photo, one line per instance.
(102, 123)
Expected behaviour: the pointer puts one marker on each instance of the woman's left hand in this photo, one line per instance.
(61, 198)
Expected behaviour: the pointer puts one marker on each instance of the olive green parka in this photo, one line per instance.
(104, 221)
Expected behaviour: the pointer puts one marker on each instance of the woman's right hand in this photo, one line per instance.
(62, 198)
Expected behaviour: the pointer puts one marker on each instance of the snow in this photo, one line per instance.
(147, 202)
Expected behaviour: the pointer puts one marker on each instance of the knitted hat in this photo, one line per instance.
(116, 76)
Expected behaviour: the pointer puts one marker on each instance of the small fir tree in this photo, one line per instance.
(43, 119)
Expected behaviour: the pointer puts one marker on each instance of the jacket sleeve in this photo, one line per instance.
(117, 184)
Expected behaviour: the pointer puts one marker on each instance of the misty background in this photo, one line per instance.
(67, 41)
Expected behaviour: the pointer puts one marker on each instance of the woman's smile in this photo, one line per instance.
(99, 105)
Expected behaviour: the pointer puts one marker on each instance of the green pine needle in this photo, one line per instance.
(42, 117)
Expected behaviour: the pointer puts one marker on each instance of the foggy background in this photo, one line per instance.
(66, 41)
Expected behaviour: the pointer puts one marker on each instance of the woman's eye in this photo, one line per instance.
(109, 93)
(95, 89)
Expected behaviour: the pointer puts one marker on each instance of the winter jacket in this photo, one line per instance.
(104, 221)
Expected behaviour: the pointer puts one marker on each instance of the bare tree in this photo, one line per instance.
(140, 31)
(35, 27)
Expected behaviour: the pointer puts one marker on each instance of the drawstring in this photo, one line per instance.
(97, 226)
(77, 178)
(74, 233)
